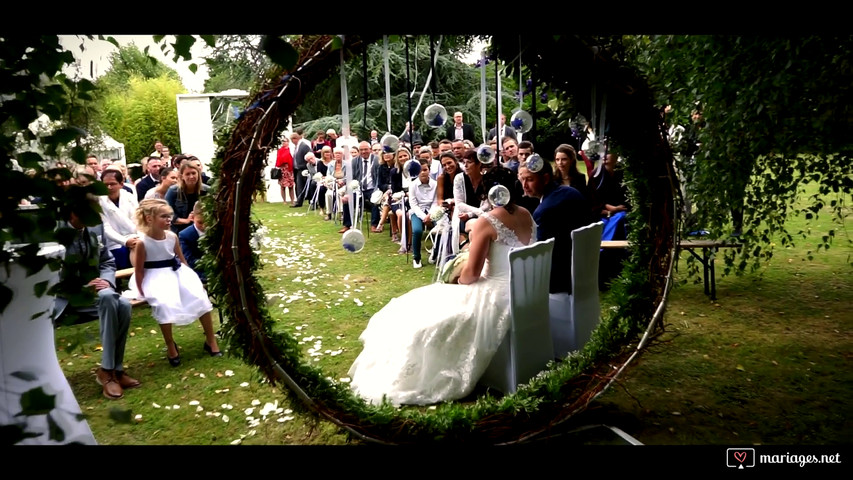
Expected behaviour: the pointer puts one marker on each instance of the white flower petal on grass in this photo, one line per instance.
(358, 302)
(248, 411)
(229, 373)
(138, 417)
(288, 411)
(155, 405)
(237, 442)
(175, 407)
(168, 407)
(199, 408)
(168, 385)
(194, 402)
(244, 384)
(225, 418)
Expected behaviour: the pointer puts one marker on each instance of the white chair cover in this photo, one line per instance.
(575, 316)
(527, 348)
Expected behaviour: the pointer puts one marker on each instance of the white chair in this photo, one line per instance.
(575, 316)
(527, 347)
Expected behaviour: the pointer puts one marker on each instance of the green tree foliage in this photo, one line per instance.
(236, 62)
(128, 62)
(778, 113)
(457, 88)
(146, 111)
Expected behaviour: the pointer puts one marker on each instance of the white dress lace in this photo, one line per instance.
(433, 343)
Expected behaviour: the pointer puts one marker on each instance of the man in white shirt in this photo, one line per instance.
(421, 198)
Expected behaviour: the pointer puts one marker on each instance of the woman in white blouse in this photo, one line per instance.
(118, 210)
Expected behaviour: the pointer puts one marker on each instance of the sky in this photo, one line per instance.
(99, 51)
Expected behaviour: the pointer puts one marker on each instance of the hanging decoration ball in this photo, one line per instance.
(521, 121)
(534, 163)
(376, 196)
(485, 154)
(353, 241)
(318, 177)
(499, 196)
(390, 143)
(354, 186)
(413, 168)
(435, 115)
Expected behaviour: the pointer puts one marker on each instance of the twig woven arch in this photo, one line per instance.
(550, 399)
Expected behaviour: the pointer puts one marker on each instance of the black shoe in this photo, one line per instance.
(210, 351)
(174, 361)
(298, 205)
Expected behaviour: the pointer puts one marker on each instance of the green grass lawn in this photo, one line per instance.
(767, 363)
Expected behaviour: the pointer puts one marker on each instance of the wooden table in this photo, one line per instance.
(709, 249)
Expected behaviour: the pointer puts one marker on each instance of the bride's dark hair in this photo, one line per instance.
(498, 175)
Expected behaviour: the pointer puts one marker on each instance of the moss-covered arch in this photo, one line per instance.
(549, 399)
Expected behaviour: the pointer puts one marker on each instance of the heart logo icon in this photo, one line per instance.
(740, 456)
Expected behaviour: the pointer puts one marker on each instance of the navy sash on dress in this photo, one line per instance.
(173, 262)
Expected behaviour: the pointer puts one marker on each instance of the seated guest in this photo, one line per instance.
(421, 198)
(118, 210)
(386, 163)
(150, 180)
(566, 171)
(189, 240)
(96, 269)
(469, 196)
(168, 177)
(561, 210)
(612, 206)
(183, 195)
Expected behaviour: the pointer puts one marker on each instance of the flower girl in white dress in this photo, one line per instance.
(163, 278)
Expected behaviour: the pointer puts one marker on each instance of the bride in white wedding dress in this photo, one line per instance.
(433, 343)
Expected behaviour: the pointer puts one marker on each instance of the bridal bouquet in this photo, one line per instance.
(452, 270)
(436, 213)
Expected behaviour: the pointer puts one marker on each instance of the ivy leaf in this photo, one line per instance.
(36, 402)
(54, 431)
(158, 38)
(182, 46)
(12, 434)
(66, 135)
(121, 416)
(40, 288)
(279, 51)
(210, 40)
(26, 376)
(193, 67)
(337, 43)
(29, 159)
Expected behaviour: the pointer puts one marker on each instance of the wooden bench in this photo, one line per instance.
(707, 258)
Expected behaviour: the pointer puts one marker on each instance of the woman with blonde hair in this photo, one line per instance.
(182, 197)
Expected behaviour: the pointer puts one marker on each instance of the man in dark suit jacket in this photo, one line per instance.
(457, 129)
(301, 147)
(506, 131)
(561, 210)
(151, 180)
(368, 160)
(88, 262)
